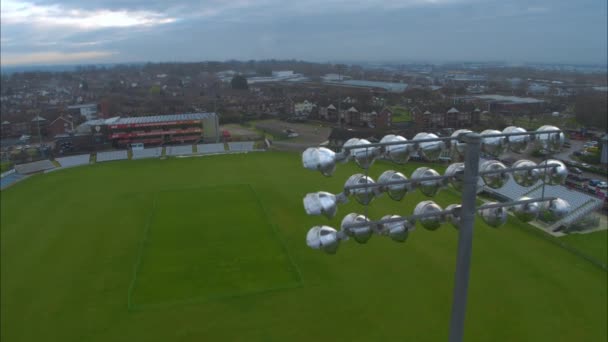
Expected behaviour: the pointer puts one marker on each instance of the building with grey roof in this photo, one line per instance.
(187, 128)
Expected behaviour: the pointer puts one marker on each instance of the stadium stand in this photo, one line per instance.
(112, 155)
(511, 190)
(581, 204)
(10, 179)
(183, 150)
(210, 148)
(37, 166)
(70, 161)
(147, 153)
(240, 146)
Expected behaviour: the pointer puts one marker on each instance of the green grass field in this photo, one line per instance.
(594, 245)
(401, 114)
(213, 249)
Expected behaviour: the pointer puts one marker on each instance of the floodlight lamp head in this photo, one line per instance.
(526, 212)
(517, 143)
(321, 203)
(454, 217)
(555, 175)
(397, 231)
(397, 153)
(347, 153)
(427, 187)
(457, 148)
(430, 150)
(364, 156)
(455, 174)
(526, 178)
(395, 191)
(556, 209)
(494, 217)
(362, 195)
(493, 146)
(494, 180)
(551, 142)
(360, 234)
(319, 159)
(431, 208)
(324, 238)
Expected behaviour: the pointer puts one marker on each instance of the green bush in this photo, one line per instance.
(5, 166)
(593, 158)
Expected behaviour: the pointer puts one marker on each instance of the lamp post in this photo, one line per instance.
(462, 176)
(465, 236)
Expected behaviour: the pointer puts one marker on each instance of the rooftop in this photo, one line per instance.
(150, 119)
(511, 99)
(389, 86)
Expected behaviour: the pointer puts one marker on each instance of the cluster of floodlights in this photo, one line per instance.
(428, 181)
(430, 147)
(431, 216)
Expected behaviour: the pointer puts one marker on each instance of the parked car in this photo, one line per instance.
(596, 183)
(575, 170)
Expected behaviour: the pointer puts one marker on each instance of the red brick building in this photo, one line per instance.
(61, 125)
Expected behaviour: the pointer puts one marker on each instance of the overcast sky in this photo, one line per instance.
(96, 31)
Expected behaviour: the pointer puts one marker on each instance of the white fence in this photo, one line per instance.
(70, 161)
(37, 166)
(112, 155)
(210, 148)
(241, 146)
(147, 153)
(178, 150)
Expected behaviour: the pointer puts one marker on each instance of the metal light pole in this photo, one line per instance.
(465, 236)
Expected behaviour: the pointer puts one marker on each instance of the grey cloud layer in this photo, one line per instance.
(552, 31)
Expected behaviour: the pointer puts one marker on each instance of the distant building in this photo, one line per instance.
(157, 130)
(329, 113)
(353, 117)
(384, 119)
(303, 109)
(388, 86)
(61, 125)
(88, 111)
(538, 89)
(39, 126)
(452, 118)
(334, 77)
(462, 80)
(283, 73)
(501, 103)
(6, 129)
(339, 136)
(21, 128)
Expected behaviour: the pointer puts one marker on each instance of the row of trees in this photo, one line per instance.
(591, 109)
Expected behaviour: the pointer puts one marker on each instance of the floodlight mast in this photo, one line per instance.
(548, 136)
(465, 235)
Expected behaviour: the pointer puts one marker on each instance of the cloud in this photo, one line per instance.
(160, 30)
(53, 57)
(14, 12)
